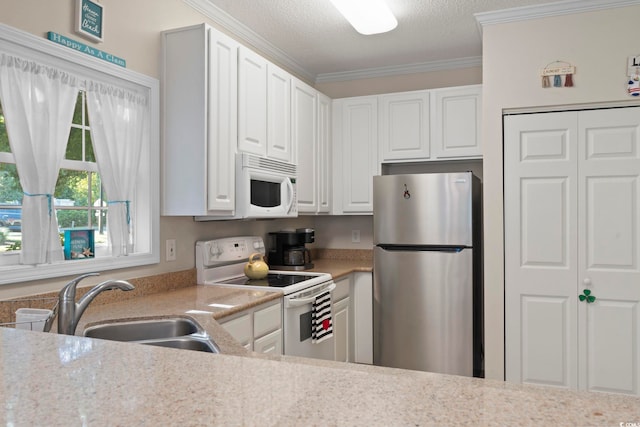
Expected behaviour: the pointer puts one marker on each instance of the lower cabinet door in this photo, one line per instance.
(341, 330)
(240, 329)
(269, 344)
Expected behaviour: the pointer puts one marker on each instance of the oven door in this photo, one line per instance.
(297, 325)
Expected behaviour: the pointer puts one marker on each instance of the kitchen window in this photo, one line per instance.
(78, 200)
(86, 135)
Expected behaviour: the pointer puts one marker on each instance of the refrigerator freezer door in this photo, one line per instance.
(423, 310)
(423, 209)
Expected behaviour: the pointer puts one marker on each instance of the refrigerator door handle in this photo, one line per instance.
(411, 248)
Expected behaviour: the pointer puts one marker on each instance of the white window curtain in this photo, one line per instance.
(38, 103)
(119, 123)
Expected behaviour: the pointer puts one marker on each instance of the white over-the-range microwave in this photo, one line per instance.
(265, 188)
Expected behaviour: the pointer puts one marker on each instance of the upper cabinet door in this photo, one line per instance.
(252, 102)
(323, 175)
(222, 122)
(304, 121)
(356, 152)
(279, 114)
(404, 126)
(456, 127)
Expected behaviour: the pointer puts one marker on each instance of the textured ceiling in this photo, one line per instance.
(316, 37)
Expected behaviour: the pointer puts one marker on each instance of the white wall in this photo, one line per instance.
(598, 44)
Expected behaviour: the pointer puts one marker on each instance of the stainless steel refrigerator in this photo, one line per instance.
(427, 312)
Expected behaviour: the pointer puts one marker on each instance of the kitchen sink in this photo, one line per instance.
(177, 332)
(137, 330)
(186, 343)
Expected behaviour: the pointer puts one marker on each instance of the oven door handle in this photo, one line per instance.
(297, 302)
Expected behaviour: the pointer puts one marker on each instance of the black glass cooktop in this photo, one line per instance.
(272, 280)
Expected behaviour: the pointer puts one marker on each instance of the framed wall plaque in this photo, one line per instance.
(90, 20)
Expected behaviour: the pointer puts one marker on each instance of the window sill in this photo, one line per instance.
(21, 273)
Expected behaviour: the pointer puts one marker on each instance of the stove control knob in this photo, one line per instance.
(215, 250)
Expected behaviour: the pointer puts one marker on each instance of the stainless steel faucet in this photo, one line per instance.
(69, 312)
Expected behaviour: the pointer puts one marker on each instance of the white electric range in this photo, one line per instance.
(221, 262)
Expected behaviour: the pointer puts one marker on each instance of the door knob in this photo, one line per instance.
(587, 281)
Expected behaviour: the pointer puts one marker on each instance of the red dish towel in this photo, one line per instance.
(321, 323)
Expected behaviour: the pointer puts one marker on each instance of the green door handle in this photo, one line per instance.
(586, 295)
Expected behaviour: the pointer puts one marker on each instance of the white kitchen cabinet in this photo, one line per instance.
(269, 344)
(279, 145)
(362, 315)
(323, 174)
(419, 126)
(252, 102)
(199, 85)
(456, 123)
(353, 318)
(572, 197)
(341, 330)
(355, 154)
(304, 123)
(311, 119)
(264, 107)
(342, 324)
(404, 126)
(240, 328)
(258, 329)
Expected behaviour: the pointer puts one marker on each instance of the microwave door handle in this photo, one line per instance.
(297, 302)
(290, 188)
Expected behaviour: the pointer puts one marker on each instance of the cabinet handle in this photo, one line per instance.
(587, 281)
(586, 295)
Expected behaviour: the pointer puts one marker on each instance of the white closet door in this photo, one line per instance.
(609, 234)
(540, 158)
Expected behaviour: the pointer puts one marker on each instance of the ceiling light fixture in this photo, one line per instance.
(367, 16)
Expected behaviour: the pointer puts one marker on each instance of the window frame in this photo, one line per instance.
(147, 211)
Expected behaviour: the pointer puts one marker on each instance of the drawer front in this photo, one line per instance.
(269, 344)
(342, 289)
(267, 320)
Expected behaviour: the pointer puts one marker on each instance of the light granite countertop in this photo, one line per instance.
(52, 379)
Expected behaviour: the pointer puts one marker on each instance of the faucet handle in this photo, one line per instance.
(79, 278)
(69, 290)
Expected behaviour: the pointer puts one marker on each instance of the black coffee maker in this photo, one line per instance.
(287, 250)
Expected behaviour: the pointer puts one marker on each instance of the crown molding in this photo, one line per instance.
(248, 36)
(547, 10)
(394, 70)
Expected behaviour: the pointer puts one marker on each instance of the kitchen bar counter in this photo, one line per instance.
(54, 379)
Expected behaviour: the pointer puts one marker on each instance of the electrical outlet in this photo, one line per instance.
(355, 236)
(171, 250)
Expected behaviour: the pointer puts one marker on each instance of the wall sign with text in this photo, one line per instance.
(90, 20)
